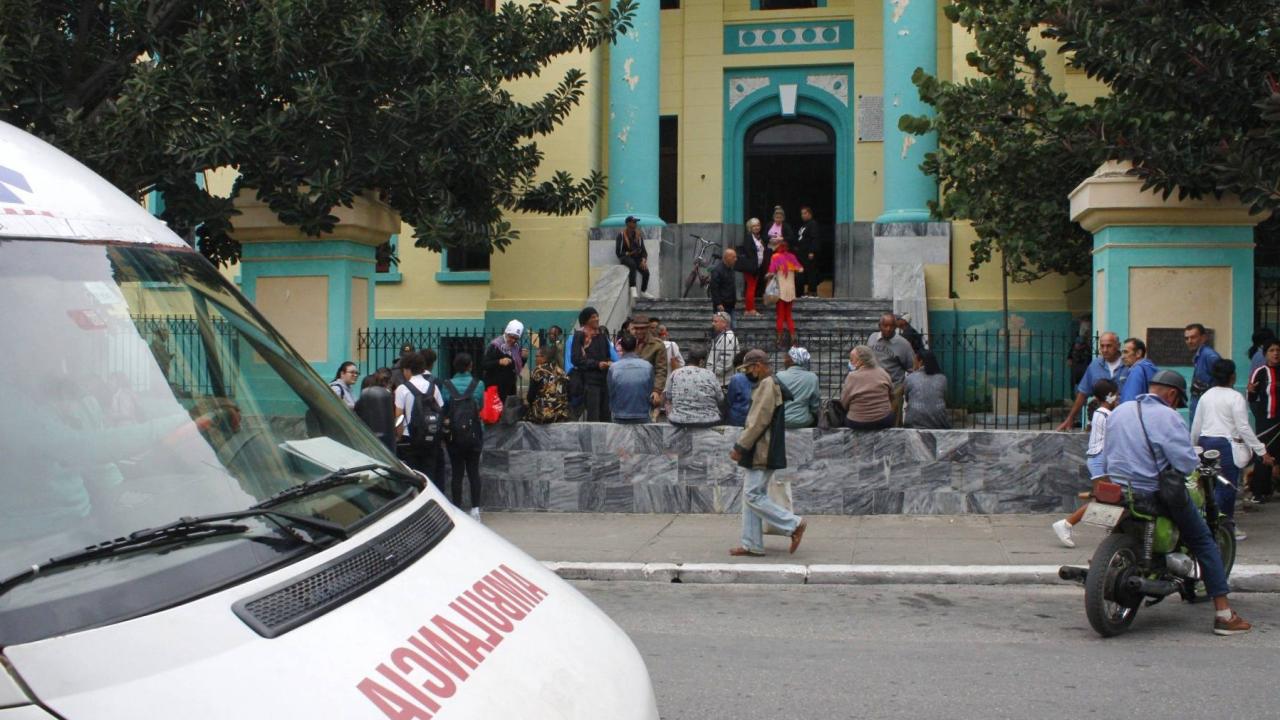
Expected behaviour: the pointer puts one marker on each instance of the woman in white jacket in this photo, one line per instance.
(1221, 420)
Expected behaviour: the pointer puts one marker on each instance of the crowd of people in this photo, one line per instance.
(1218, 413)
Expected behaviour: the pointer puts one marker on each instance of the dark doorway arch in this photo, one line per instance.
(792, 162)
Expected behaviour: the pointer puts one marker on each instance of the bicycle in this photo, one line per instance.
(701, 266)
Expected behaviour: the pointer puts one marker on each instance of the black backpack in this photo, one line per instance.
(424, 418)
(462, 422)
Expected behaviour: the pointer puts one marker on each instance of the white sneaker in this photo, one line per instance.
(1240, 535)
(1063, 531)
(475, 514)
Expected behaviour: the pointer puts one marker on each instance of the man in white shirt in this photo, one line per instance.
(724, 346)
(416, 368)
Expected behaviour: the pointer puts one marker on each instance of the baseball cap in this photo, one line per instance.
(1171, 379)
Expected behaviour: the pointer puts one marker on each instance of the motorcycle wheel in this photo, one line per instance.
(1116, 559)
(1225, 537)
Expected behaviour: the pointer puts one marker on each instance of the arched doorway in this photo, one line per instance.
(792, 162)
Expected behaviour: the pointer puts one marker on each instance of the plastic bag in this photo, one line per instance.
(491, 413)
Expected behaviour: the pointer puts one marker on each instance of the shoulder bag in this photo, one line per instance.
(1171, 484)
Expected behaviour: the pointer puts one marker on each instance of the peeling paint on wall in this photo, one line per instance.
(907, 142)
(899, 7)
(630, 79)
(622, 136)
(903, 33)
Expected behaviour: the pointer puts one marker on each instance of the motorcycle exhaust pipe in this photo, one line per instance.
(1073, 573)
(1153, 588)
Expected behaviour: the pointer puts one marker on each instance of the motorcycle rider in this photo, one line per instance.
(1128, 461)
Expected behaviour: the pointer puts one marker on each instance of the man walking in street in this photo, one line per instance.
(1141, 370)
(1107, 366)
(761, 449)
(631, 385)
(652, 350)
(894, 355)
(724, 346)
(1202, 358)
(1137, 434)
(724, 283)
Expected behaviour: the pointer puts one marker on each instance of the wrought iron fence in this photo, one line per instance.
(175, 344)
(381, 347)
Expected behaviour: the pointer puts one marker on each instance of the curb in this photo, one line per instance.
(1244, 578)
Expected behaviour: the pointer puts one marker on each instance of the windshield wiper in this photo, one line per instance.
(341, 476)
(185, 529)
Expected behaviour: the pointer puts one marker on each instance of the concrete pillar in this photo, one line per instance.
(318, 292)
(1164, 263)
(633, 119)
(910, 42)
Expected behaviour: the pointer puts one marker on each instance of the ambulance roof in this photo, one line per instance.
(44, 193)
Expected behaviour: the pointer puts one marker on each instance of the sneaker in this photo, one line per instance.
(1240, 535)
(1233, 626)
(1063, 531)
(1254, 500)
(475, 514)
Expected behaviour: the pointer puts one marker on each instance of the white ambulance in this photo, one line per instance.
(193, 526)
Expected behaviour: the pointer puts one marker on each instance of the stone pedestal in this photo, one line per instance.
(318, 292)
(899, 252)
(1164, 263)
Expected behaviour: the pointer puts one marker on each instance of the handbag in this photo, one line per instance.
(780, 493)
(491, 413)
(771, 291)
(1241, 454)
(831, 414)
(1171, 484)
(512, 410)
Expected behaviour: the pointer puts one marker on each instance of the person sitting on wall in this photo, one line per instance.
(802, 408)
(630, 249)
(867, 393)
(630, 385)
(693, 393)
(738, 396)
(926, 394)
(548, 397)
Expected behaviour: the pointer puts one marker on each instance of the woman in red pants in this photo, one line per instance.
(783, 268)
(752, 260)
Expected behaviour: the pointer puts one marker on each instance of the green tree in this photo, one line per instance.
(1194, 104)
(312, 101)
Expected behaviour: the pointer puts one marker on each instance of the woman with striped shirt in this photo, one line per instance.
(1264, 400)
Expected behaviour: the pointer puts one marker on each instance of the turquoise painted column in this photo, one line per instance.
(910, 42)
(633, 119)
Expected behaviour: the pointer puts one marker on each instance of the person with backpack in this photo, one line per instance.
(463, 431)
(419, 405)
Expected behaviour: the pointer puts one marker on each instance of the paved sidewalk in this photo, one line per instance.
(866, 548)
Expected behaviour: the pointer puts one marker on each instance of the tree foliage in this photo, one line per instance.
(1194, 104)
(312, 101)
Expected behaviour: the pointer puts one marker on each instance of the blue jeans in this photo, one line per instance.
(1196, 535)
(1095, 465)
(757, 507)
(1224, 495)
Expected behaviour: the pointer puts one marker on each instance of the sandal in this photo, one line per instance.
(741, 551)
(797, 535)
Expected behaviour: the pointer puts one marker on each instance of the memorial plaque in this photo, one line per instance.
(1166, 346)
(870, 118)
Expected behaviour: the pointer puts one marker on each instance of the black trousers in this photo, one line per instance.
(633, 267)
(596, 401)
(428, 461)
(466, 460)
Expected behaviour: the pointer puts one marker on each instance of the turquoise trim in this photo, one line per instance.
(744, 107)
(634, 79)
(755, 5)
(1119, 249)
(470, 277)
(533, 319)
(340, 262)
(910, 42)
(788, 37)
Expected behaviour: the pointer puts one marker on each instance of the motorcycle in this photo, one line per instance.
(1141, 561)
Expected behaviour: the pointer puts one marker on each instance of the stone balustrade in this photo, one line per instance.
(599, 467)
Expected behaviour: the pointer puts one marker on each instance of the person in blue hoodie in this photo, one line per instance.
(1134, 354)
(738, 396)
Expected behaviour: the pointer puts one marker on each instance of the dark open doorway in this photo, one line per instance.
(792, 162)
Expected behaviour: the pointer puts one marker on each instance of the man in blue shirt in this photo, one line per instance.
(1202, 358)
(1146, 436)
(1140, 372)
(630, 385)
(1107, 366)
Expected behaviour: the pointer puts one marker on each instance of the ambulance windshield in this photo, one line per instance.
(140, 390)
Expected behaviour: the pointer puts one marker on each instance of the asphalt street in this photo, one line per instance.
(748, 652)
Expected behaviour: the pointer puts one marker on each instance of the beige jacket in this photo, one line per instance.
(655, 351)
(753, 443)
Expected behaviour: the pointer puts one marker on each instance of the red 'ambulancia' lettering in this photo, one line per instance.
(392, 705)
(498, 600)
(504, 584)
(442, 687)
(442, 652)
(529, 587)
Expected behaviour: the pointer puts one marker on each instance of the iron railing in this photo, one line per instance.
(380, 347)
(175, 344)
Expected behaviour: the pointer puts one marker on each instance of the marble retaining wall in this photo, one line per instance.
(598, 467)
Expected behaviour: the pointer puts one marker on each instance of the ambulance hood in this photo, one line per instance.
(473, 629)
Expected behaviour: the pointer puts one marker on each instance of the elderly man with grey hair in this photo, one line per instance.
(893, 354)
(867, 393)
(724, 347)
